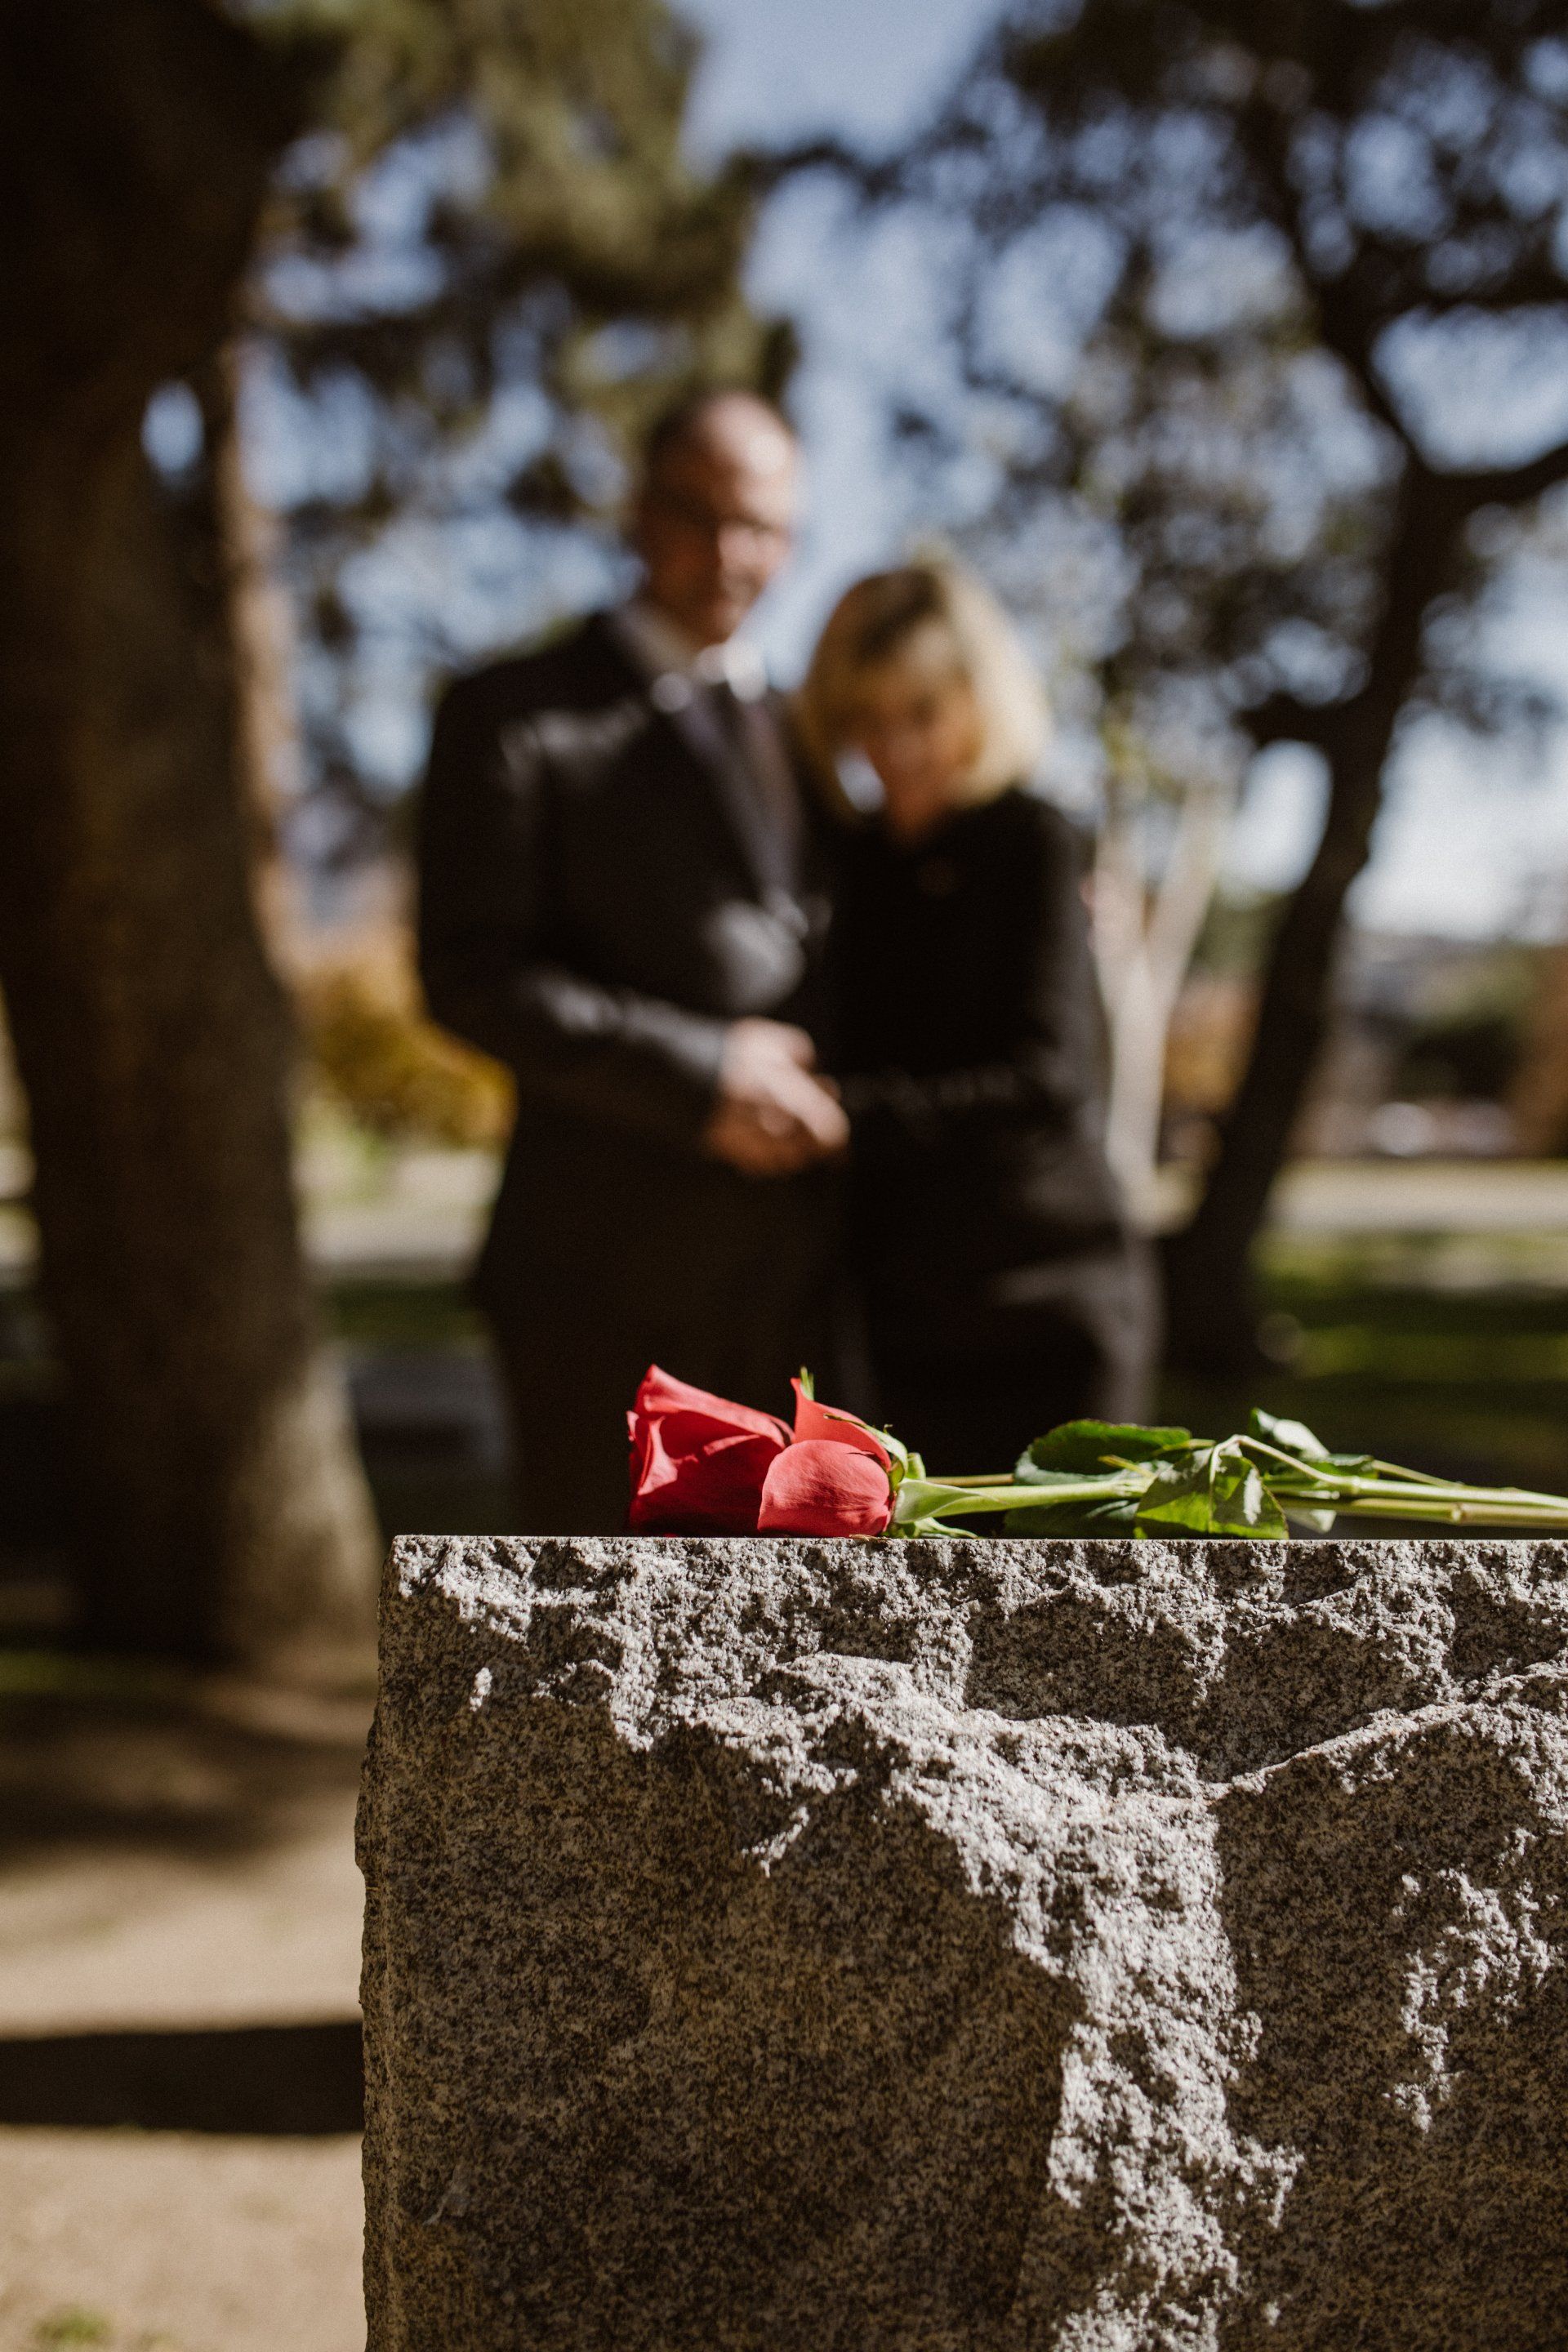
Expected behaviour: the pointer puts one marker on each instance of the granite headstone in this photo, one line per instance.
(971, 1947)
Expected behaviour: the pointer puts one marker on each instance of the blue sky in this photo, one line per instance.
(865, 68)
(1474, 840)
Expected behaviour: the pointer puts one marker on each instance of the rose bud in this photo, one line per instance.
(826, 1487)
(698, 1461)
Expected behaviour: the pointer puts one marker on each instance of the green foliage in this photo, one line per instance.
(75, 2326)
(1078, 1450)
(1102, 1478)
(571, 177)
(1179, 193)
(1238, 291)
(1221, 278)
(1083, 1447)
(1218, 1493)
(1106, 1516)
(1289, 1436)
(1236, 931)
(1295, 1438)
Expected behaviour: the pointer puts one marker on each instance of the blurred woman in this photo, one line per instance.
(1000, 1289)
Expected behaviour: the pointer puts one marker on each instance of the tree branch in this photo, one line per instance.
(768, 168)
(1286, 719)
(1511, 486)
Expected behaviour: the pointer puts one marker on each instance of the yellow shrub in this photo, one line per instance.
(376, 1055)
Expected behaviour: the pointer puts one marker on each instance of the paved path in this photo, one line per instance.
(1460, 1196)
(165, 1869)
(174, 2242)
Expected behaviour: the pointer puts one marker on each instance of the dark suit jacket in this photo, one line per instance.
(600, 896)
(986, 1222)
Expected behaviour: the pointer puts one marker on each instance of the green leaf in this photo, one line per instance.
(1218, 1492)
(1082, 1446)
(1063, 1477)
(1293, 1437)
(1116, 1514)
(1289, 1436)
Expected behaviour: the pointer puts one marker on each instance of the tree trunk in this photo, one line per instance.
(221, 1514)
(262, 631)
(1212, 1318)
(1144, 940)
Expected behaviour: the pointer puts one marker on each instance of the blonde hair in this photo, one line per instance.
(873, 622)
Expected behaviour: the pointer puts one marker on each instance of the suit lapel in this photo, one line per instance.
(733, 790)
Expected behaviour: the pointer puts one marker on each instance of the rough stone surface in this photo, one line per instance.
(900, 1947)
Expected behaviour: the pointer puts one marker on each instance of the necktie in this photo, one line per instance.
(749, 729)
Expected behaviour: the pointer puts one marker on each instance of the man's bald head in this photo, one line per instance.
(715, 515)
(717, 419)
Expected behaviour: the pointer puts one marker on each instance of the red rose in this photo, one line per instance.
(827, 1487)
(813, 1419)
(702, 1466)
(698, 1463)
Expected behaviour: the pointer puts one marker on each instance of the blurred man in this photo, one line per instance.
(622, 900)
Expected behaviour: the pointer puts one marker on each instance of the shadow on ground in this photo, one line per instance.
(130, 1757)
(295, 2081)
(179, 1908)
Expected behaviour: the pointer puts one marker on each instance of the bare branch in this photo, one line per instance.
(1286, 719)
(1511, 486)
(767, 169)
(1344, 326)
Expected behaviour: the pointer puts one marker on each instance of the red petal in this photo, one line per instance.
(660, 1393)
(715, 1492)
(825, 1420)
(825, 1486)
(697, 1461)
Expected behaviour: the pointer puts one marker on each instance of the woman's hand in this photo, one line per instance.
(776, 1114)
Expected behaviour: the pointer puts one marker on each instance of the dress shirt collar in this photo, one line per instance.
(662, 649)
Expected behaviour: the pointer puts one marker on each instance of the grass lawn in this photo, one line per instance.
(1468, 1379)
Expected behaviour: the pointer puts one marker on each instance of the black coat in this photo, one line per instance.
(1002, 1291)
(601, 895)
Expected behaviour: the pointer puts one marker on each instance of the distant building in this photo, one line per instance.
(1439, 1047)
